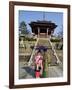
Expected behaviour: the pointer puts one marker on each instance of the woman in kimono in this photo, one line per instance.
(38, 64)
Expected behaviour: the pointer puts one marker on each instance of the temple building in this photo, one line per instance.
(43, 28)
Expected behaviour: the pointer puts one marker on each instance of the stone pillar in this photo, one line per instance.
(38, 31)
(47, 32)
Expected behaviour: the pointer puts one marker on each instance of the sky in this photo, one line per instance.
(55, 17)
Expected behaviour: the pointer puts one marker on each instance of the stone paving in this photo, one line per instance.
(25, 71)
(28, 72)
(55, 71)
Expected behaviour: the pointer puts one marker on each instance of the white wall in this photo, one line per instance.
(4, 44)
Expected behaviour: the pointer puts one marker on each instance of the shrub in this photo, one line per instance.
(55, 40)
(29, 39)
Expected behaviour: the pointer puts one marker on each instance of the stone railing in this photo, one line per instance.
(33, 53)
(58, 60)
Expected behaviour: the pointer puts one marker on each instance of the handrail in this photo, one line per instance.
(33, 52)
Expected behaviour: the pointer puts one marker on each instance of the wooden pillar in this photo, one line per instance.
(51, 33)
(47, 32)
(38, 31)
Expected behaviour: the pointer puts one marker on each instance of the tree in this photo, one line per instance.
(23, 28)
(60, 33)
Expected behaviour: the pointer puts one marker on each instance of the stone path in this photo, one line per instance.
(25, 72)
(28, 72)
(55, 71)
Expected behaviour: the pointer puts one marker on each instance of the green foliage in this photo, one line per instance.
(45, 72)
(49, 58)
(32, 47)
(55, 40)
(23, 28)
(59, 46)
(29, 39)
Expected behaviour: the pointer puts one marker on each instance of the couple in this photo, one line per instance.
(38, 64)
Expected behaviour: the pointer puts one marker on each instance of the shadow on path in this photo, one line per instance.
(29, 70)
